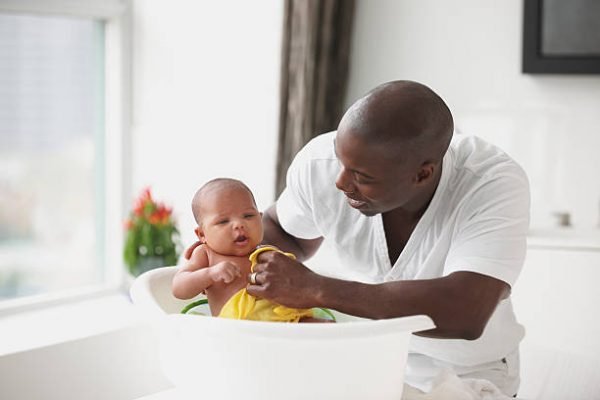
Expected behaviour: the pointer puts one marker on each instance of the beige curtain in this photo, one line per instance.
(314, 72)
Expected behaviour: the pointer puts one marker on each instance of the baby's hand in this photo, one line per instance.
(224, 271)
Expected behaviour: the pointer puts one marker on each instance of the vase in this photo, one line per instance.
(147, 263)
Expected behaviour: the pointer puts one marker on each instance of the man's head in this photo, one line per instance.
(390, 144)
(228, 219)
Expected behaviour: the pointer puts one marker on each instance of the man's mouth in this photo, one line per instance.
(355, 203)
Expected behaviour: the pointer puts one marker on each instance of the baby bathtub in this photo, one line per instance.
(216, 358)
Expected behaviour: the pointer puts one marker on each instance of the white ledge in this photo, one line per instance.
(52, 325)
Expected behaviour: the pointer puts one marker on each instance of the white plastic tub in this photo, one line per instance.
(218, 358)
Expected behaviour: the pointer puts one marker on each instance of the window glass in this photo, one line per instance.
(51, 153)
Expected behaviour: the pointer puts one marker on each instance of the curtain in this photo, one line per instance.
(314, 74)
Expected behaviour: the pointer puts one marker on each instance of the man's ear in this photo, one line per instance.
(200, 234)
(425, 172)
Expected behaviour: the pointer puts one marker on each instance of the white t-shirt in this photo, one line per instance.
(477, 221)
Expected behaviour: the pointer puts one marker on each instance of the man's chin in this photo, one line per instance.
(368, 213)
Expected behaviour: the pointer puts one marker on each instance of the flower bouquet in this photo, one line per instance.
(152, 239)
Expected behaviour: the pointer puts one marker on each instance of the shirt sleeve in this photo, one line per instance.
(492, 240)
(295, 204)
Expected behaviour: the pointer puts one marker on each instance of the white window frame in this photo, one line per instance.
(117, 15)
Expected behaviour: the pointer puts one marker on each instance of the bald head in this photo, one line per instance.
(402, 116)
(218, 185)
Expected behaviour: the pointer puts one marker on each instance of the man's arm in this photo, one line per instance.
(303, 249)
(460, 304)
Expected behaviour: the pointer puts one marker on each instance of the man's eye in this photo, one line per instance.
(361, 180)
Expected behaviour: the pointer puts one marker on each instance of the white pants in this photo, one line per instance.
(422, 370)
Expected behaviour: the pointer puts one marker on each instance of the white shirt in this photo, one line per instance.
(477, 221)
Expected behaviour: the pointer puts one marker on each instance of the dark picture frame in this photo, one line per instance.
(536, 61)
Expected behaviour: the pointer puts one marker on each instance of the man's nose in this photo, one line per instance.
(343, 181)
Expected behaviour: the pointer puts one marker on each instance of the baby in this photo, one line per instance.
(230, 229)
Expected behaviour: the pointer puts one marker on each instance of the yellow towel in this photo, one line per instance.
(243, 305)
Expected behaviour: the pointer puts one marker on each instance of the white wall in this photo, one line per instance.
(469, 51)
(205, 101)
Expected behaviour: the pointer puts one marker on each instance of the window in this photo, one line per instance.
(58, 195)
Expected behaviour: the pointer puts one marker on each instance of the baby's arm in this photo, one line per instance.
(196, 275)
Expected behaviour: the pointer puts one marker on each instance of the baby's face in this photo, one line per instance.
(231, 223)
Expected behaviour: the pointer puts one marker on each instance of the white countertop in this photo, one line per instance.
(564, 238)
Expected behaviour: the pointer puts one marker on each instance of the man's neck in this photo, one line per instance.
(399, 224)
(417, 207)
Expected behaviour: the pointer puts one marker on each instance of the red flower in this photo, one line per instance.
(161, 215)
(128, 224)
(146, 194)
(145, 208)
(138, 208)
(144, 203)
(150, 226)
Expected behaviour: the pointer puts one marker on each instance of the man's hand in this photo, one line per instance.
(188, 252)
(284, 281)
(224, 271)
(460, 304)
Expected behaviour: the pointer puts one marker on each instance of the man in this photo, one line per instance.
(422, 222)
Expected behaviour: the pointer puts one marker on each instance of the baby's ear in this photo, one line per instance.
(200, 234)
